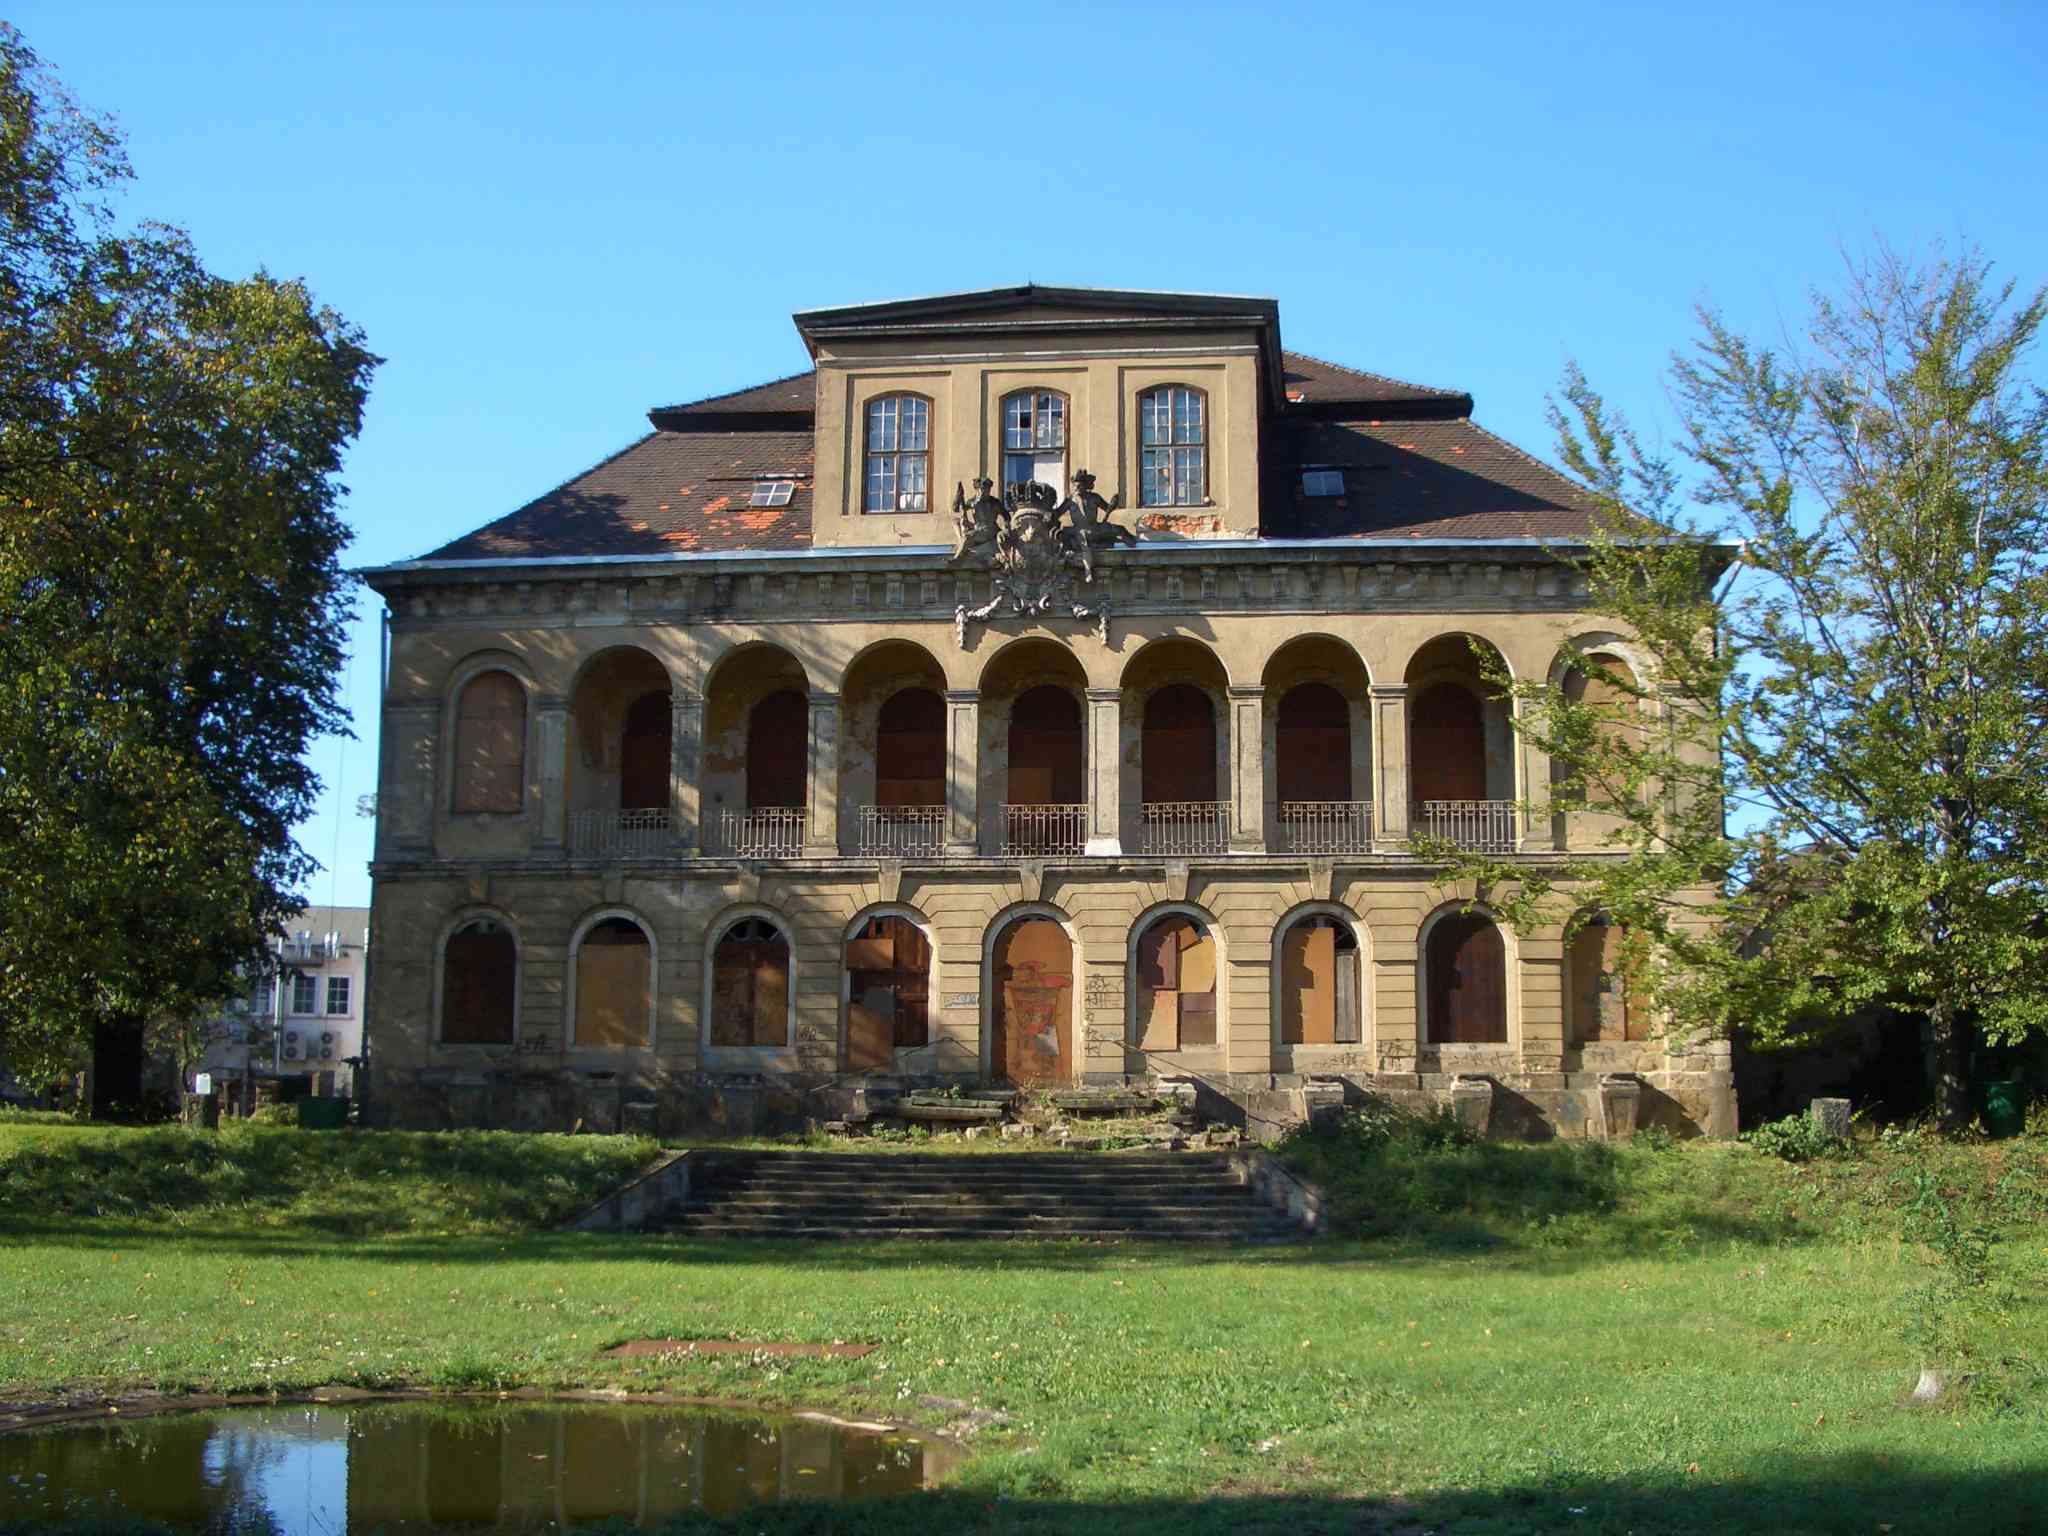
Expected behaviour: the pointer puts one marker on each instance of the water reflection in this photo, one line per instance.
(415, 1466)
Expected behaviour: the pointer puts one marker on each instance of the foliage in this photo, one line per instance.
(1835, 596)
(1797, 1139)
(171, 598)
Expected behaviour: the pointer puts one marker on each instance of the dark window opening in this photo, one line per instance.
(479, 974)
(1178, 752)
(1045, 748)
(888, 967)
(778, 751)
(1467, 982)
(1312, 744)
(750, 986)
(644, 755)
(910, 749)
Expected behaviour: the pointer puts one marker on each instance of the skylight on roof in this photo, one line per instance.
(772, 493)
(1322, 482)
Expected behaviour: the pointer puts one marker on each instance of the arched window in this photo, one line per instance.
(750, 993)
(1468, 981)
(1602, 998)
(1045, 748)
(1173, 453)
(899, 454)
(644, 754)
(910, 749)
(1178, 750)
(1615, 725)
(778, 747)
(614, 984)
(1035, 439)
(490, 744)
(1031, 1011)
(1176, 984)
(1319, 984)
(888, 990)
(1312, 745)
(479, 984)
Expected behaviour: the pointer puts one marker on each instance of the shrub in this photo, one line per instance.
(1796, 1139)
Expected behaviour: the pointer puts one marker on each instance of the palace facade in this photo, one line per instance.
(846, 733)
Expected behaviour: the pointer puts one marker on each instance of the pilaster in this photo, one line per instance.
(551, 740)
(1105, 760)
(1390, 766)
(821, 825)
(963, 768)
(1247, 770)
(686, 745)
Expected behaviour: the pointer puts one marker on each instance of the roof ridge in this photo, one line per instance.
(746, 389)
(1367, 373)
(555, 489)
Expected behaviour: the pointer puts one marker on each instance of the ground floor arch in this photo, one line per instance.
(1031, 1002)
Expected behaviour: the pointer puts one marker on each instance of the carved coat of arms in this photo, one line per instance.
(1036, 565)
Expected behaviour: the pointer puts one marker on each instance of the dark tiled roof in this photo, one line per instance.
(1444, 479)
(670, 493)
(794, 396)
(1309, 381)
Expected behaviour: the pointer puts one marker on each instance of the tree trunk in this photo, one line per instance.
(1951, 1069)
(117, 1069)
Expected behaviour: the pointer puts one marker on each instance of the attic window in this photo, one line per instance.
(772, 493)
(1322, 482)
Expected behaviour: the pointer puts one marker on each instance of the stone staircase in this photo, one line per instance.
(1171, 1197)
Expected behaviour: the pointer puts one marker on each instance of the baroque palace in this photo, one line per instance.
(1041, 690)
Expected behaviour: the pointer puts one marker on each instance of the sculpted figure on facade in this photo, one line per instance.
(1034, 562)
(980, 522)
(1090, 527)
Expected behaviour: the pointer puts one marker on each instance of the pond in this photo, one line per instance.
(437, 1466)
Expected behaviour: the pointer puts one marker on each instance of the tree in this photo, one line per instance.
(171, 598)
(1864, 699)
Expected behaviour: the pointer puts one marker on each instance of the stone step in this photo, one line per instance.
(829, 1230)
(1109, 1160)
(822, 1179)
(996, 1210)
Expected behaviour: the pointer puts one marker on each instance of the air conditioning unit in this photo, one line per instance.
(327, 1037)
(327, 1053)
(291, 1052)
(291, 1037)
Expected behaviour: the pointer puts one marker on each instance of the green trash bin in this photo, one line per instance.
(2005, 1108)
(318, 1114)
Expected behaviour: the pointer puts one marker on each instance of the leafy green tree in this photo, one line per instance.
(171, 598)
(1829, 785)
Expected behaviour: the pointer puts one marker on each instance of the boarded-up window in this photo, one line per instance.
(1176, 985)
(1045, 748)
(778, 746)
(490, 744)
(643, 755)
(1614, 726)
(750, 986)
(1312, 744)
(1319, 984)
(1179, 747)
(479, 975)
(1447, 735)
(1468, 984)
(614, 984)
(1034, 1003)
(1603, 1001)
(888, 971)
(910, 749)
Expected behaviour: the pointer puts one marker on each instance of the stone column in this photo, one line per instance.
(685, 773)
(1533, 767)
(409, 788)
(551, 740)
(1247, 770)
(821, 827)
(1105, 783)
(963, 771)
(1390, 766)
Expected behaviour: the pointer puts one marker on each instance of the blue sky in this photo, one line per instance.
(548, 220)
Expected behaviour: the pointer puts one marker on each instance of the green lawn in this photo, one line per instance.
(1655, 1338)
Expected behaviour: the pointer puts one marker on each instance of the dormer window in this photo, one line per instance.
(772, 493)
(899, 445)
(1035, 439)
(1322, 482)
(1173, 454)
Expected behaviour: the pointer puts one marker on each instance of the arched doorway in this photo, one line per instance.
(1468, 987)
(1031, 1006)
(1319, 983)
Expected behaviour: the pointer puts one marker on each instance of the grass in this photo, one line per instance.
(1606, 1339)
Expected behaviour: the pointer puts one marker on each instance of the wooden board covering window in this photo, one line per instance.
(888, 966)
(611, 985)
(478, 973)
(750, 987)
(1176, 982)
(1032, 1011)
(1312, 744)
(1319, 985)
(1447, 734)
(490, 745)
(1467, 982)
(1045, 748)
(910, 749)
(1603, 1003)
(644, 755)
(778, 749)
(1178, 753)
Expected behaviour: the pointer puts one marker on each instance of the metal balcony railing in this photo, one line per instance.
(1044, 831)
(1324, 826)
(774, 833)
(902, 831)
(1183, 827)
(618, 834)
(1485, 826)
